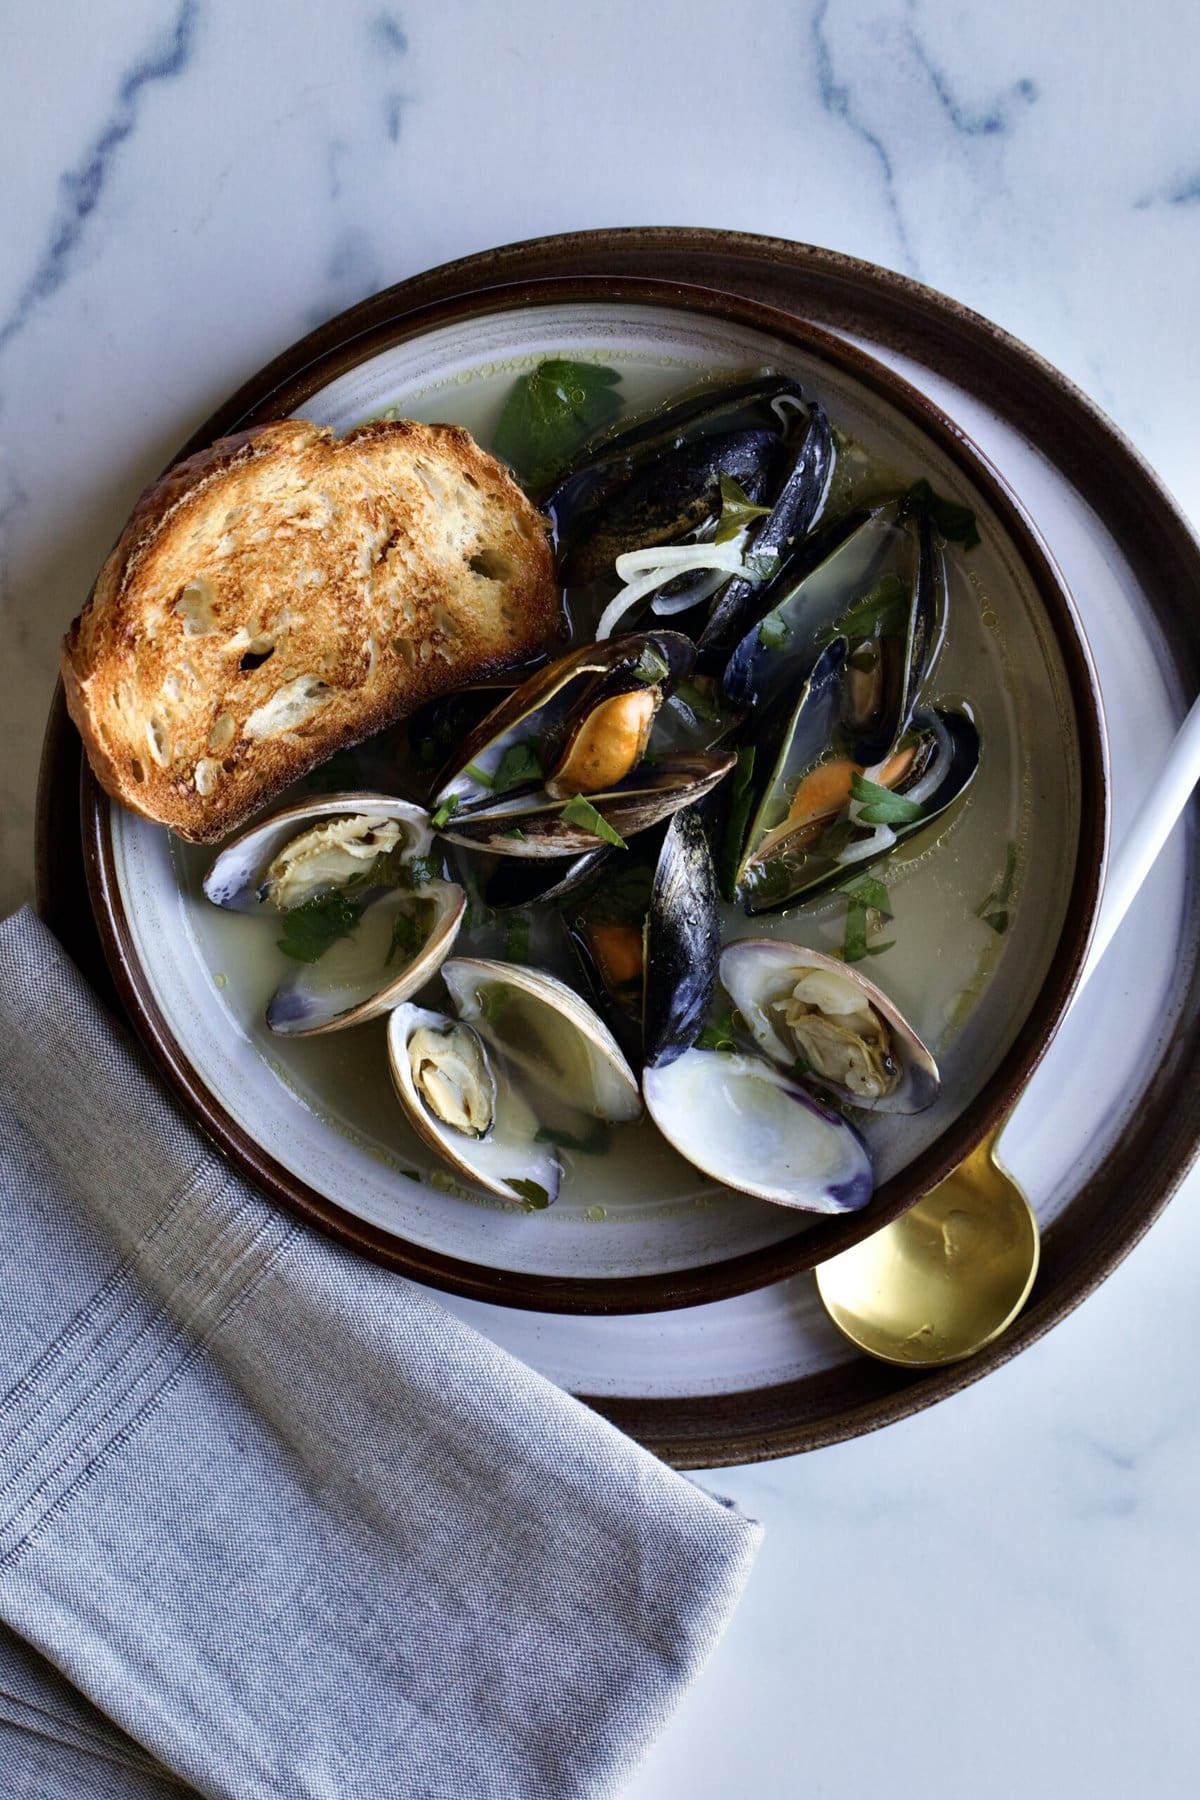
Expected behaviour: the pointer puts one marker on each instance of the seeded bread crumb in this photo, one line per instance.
(285, 593)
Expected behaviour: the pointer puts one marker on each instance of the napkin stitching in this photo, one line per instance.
(272, 1251)
(89, 1743)
(150, 1324)
(78, 1324)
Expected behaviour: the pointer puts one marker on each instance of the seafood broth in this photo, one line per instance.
(954, 891)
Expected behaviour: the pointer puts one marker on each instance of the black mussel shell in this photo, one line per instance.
(659, 658)
(532, 880)
(665, 502)
(908, 656)
(532, 824)
(782, 880)
(741, 603)
(753, 674)
(601, 471)
(683, 941)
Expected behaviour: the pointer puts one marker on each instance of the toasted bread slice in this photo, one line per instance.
(285, 593)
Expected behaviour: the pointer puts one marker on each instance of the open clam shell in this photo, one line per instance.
(748, 1125)
(368, 971)
(507, 1153)
(548, 1057)
(541, 1028)
(240, 877)
(857, 1044)
(395, 936)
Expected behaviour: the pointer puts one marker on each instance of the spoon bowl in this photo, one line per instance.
(944, 1279)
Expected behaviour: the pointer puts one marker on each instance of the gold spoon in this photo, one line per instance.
(952, 1273)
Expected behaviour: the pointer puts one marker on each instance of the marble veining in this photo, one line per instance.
(81, 187)
(190, 184)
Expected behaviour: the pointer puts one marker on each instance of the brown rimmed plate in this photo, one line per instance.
(661, 1247)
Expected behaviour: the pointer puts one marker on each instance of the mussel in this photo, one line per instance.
(576, 731)
(819, 816)
(649, 505)
(812, 1013)
(520, 1062)
(362, 927)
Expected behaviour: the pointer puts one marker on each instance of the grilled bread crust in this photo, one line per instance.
(285, 593)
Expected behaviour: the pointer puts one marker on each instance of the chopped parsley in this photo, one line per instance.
(651, 666)
(994, 910)
(445, 813)
(309, 930)
(581, 812)
(879, 806)
(737, 510)
(534, 1197)
(594, 1144)
(519, 765)
(552, 412)
(867, 905)
(774, 631)
(956, 523)
(410, 929)
(883, 612)
(717, 1035)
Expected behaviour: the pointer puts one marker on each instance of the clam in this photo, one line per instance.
(578, 729)
(747, 1124)
(335, 877)
(811, 1011)
(314, 847)
(445, 1083)
(521, 1058)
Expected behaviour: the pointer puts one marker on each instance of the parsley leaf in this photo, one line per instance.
(956, 523)
(994, 910)
(879, 806)
(594, 1144)
(533, 1194)
(761, 565)
(551, 413)
(859, 924)
(581, 812)
(651, 666)
(883, 612)
(699, 695)
(774, 631)
(445, 813)
(519, 764)
(718, 1035)
(309, 930)
(422, 869)
(410, 929)
(737, 510)
(869, 892)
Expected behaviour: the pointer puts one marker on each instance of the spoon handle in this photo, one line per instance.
(1151, 829)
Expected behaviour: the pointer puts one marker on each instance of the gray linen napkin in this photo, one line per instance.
(290, 1526)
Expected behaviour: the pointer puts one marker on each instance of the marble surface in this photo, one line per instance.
(996, 1596)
